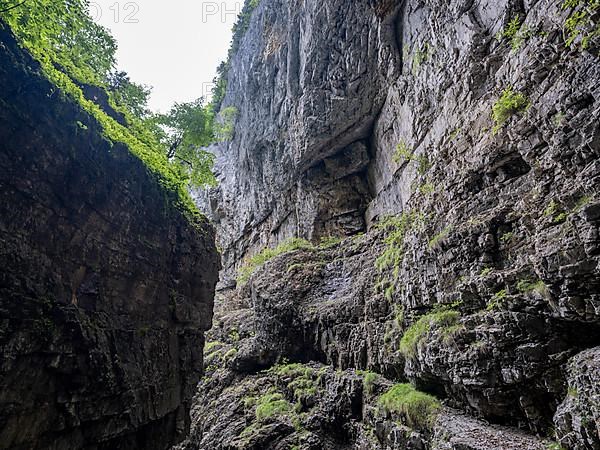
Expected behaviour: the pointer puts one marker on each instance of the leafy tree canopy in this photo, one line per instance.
(74, 51)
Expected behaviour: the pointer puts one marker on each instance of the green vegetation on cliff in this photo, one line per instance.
(78, 57)
(417, 408)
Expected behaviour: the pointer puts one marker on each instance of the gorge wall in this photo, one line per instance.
(106, 287)
(481, 289)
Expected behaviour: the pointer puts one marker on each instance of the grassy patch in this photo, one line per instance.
(418, 331)
(369, 380)
(301, 379)
(417, 408)
(267, 254)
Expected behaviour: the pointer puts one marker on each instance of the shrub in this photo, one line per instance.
(509, 104)
(418, 331)
(417, 408)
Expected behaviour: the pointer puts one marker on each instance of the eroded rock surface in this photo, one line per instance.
(489, 284)
(106, 287)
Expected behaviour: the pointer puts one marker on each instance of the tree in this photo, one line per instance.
(130, 95)
(186, 130)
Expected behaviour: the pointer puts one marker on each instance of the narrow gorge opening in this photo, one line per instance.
(374, 225)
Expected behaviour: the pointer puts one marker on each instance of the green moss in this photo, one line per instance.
(421, 55)
(509, 104)
(210, 346)
(230, 354)
(301, 379)
(327, 242)
(272, 405)
(369, 380)
(255, 262)
(419, 331)
(417, 408)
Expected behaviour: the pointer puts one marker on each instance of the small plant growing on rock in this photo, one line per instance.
(417, 408)
(579, 26)
(301, 379)
(404, 154)
(554, 211)
(528, 286)
(497, 300)
(327, 242)
(418, 332)
(516, 33)
(509, 104)
(369, 380)
(421, 55)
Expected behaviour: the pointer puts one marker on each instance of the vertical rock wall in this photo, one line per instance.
(500, 222)
(106, 287)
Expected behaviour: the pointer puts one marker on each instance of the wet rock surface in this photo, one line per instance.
(106, 288)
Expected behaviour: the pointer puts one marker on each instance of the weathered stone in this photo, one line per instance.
(106, 287)
(577, 418)
(502, 224)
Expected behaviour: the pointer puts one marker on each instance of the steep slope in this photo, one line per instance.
(106, 287)
(463, 137)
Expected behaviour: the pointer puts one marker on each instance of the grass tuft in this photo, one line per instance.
(417, 408)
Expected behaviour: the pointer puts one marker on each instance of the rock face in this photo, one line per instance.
(105, 288)
(577, 417)
(482, 139)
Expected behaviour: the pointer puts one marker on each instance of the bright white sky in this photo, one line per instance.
(174, 46)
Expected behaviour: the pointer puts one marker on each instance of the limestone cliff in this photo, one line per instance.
(106, 287)
(470, 132)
